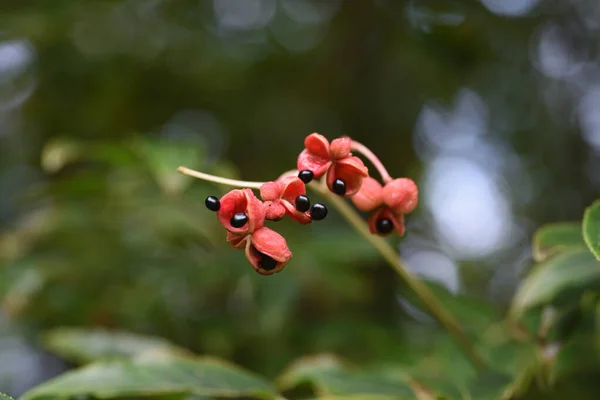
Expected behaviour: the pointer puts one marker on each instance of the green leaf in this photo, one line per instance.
(591, 228)
(474, 314)
(574, 357)
(329, 376)
(572, 271)
(155, 376)
(552, 239)
(163, 157)
(427, 383)
(573, 354)
(490, 385)
(564, 323)
(505, 354)
(58, 152)
(87, 345)
(5, 397)
(356, 397)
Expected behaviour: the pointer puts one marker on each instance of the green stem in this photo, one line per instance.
(389, 254)
(218, 179)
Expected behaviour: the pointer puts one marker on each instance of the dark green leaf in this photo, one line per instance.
(573, 357)
(426, 381)
(574, 270)
(564, 323)
(85, 345)
(591, 228)
(552, 239)
(490, 385)
(329, 376)
(474, 315)
(512, 365)
(575, 352)
(505, 354)
(356, 397)
(155, 376)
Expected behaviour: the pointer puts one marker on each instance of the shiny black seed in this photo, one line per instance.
(302, 203)
(339, 187)
(306, 175)
(212, 203)
(267, 263)
(318, 211)
(238, 220)
(384, 226)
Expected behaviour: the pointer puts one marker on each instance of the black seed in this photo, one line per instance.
(306, 175)
(302, 203)
(318, 211)
(238, 220)
(212, 203)
(267, 263)
(339, 187)
(384, 226)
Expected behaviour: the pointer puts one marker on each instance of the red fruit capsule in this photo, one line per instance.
(240, 202)
(387, 204)
(266, 250)
(281, 198)
(335, 160)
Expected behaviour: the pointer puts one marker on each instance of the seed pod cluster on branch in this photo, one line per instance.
(332, 165)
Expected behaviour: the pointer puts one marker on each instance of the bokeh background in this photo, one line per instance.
(492, 106)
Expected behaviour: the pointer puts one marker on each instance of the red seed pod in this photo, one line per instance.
(370, 195)
(344, 171)
(315, 156)
(287, 189)
(402, 195)
(340, 148)
(266, 250)
(238, 203)
(387, 204)
(384, 221)
(351, 171)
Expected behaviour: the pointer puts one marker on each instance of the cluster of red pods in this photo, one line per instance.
(243, 214)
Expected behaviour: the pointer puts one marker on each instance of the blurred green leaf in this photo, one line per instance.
(571, 351)
(591, 228)
(564, 323)
(23, 289)
(575, 356)
(356, 397)
(572, 271)
(473, 314)
(505, 354)
(425, 380)
(156, 376)
(552, 239)
(33, 226)
(88, 345)
(5, 397)
(163, 157)
(62, 151)
(530, 321)
(446, 373)
(58, 152)
(328, 376)
(490, 385)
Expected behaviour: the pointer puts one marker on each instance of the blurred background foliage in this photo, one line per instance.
(492, 106)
